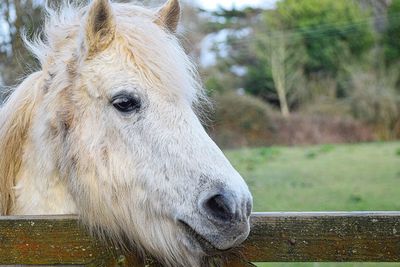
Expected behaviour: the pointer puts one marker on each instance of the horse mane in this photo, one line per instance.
(15, 120)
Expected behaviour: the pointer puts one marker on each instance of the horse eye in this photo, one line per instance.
(126, 103)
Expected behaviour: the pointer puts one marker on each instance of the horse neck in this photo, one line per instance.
(29, 182)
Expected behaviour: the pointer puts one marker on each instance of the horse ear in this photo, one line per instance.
(169, 14)
(100, 27)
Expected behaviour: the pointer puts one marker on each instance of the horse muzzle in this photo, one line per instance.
(222, 221)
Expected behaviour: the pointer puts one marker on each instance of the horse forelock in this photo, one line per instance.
(155, 52)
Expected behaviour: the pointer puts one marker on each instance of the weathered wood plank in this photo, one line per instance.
(324, 237)
(53, 240)
(275, 237)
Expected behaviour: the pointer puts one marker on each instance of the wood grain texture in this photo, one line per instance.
(50, 240)
(278, 237)
(324, 237)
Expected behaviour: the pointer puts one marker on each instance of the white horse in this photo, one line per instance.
(107, 130)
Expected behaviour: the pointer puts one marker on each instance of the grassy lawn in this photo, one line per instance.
(322, 178)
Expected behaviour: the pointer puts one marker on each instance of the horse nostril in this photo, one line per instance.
(220, 207)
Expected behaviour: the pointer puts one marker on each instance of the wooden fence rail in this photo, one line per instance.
(274, 237)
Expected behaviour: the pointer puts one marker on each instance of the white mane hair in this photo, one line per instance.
(60, 38)
(149, 174)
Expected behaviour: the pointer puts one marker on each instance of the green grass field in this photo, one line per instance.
(322, 178)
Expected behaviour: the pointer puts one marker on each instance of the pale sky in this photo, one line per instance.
(213, 4)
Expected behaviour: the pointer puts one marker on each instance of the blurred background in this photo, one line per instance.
(306, 94)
